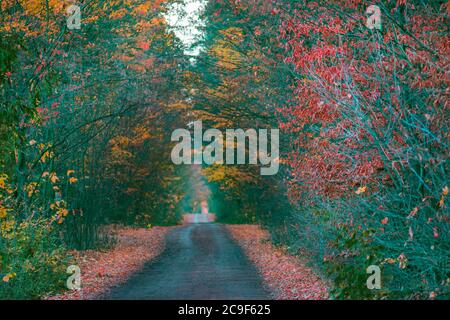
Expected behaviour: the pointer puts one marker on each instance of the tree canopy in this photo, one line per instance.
(87, 115)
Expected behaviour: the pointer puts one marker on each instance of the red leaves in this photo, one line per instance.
(326, 49)
(287, 276)
(435, 232)
(101, 270)
(144, 45)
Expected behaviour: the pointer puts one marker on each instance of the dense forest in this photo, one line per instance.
(87, 115)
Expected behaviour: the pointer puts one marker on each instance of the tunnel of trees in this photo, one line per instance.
(87, 115)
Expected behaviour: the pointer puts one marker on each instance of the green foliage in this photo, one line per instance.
(33, 261)
(86, 118)
(83, 136)
(354, 251)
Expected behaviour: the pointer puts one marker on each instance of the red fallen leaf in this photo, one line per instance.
(102, 270)
(287, 276)
(217, 12)
(385, 221)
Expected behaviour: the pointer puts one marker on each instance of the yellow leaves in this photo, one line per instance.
(216, 174)
(142, 134)
(401, 259)
(143, 8)
(91, 19)
(361, 190)
(180, 106)
(158, 21)
(17, 26)
(147, 6)
(121, 146)
(61, 214)
(120, 140)
(118, 149)
(228, 177)
(46, 155)
(3, 178)
(7, 226)
(61, 211)
(73, 180)
(390, 260)
(64, 212)
(31, 189)
(4, 184)
(3, 212)
(9, 276)
(38, 7)
(144, 26)
(228, 58)
(233, 34)
(130, 190)
(443, 196)
(53, 177)
(4, 209)
(118, 14)
(57, 204)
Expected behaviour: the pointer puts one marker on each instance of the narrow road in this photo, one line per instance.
(200, 261)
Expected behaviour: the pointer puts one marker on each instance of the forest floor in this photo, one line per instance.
(105, 269)
(195, 261)
(288, 277)
(202, 262)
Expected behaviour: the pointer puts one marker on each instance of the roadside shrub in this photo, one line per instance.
(369, 122)
(33, 260)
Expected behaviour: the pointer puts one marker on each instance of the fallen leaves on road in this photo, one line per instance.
(102, 270)
(287, 276)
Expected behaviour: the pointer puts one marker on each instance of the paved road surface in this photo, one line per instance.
(200, 261)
